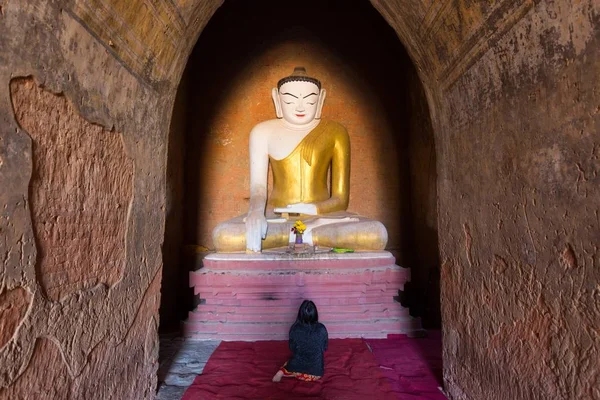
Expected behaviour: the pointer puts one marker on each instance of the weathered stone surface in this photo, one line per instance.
(182, 379)
(80, 192)
(192, 351)
(45, 378)
(519, 192)
(102, 333)
(13, 306)
(126, 369)
(182, 361)
(167, 392)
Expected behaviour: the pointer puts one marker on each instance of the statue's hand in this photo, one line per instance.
(256, 230)
(298, 208)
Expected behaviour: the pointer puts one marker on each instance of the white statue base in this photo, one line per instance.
(256, 296)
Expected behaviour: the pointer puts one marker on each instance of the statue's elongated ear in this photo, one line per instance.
(320, 103)
(277, 102)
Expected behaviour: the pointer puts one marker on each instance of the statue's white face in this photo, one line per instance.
(299, 102)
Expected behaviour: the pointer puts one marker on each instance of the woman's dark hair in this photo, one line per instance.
(308, 314)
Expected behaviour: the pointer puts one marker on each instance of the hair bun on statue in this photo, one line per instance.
(299, 75)
(299, 71)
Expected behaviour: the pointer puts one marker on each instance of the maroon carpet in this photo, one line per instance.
(243, 370)
(413, 366)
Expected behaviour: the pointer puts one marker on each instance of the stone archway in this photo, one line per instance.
(373, 90)
(511, 88)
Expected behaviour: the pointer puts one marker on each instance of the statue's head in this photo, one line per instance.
(298, 98)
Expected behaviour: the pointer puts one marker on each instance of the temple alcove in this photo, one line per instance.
(513, 97)
(381, 103)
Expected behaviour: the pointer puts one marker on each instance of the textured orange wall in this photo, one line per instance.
(81, 178)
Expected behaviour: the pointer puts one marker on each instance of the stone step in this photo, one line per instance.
(285, 287)
(367, 299)
(358, 308)
(208, 278)
(279, 336)
(256, 297)
(361, 260)
(240, 316)
(296, 293)
(237, 338)
(388, 325)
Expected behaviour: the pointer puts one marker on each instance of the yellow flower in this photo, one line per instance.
(299, 227)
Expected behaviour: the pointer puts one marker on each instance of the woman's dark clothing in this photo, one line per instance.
(307, 343)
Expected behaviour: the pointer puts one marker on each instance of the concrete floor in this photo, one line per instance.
(180, 361)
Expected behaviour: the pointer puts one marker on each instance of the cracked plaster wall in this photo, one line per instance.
(519, 212)
(512, 89)
(79, 192)
(82, 157)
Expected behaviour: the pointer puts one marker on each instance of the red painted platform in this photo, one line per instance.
(256, 297)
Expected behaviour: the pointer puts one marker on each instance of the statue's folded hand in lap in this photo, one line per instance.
(303, 150)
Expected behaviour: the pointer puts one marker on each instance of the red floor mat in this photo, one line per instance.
(413, 366)
(243, 370)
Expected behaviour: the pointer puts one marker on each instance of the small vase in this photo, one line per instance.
(299, 238)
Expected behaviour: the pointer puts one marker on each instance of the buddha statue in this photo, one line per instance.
(303, 150)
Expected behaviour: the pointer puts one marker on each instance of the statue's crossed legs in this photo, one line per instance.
(341, 229)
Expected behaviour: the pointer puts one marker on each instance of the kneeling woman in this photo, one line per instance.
(308, 342)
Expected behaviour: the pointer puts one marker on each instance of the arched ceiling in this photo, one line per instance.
(153, 38)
